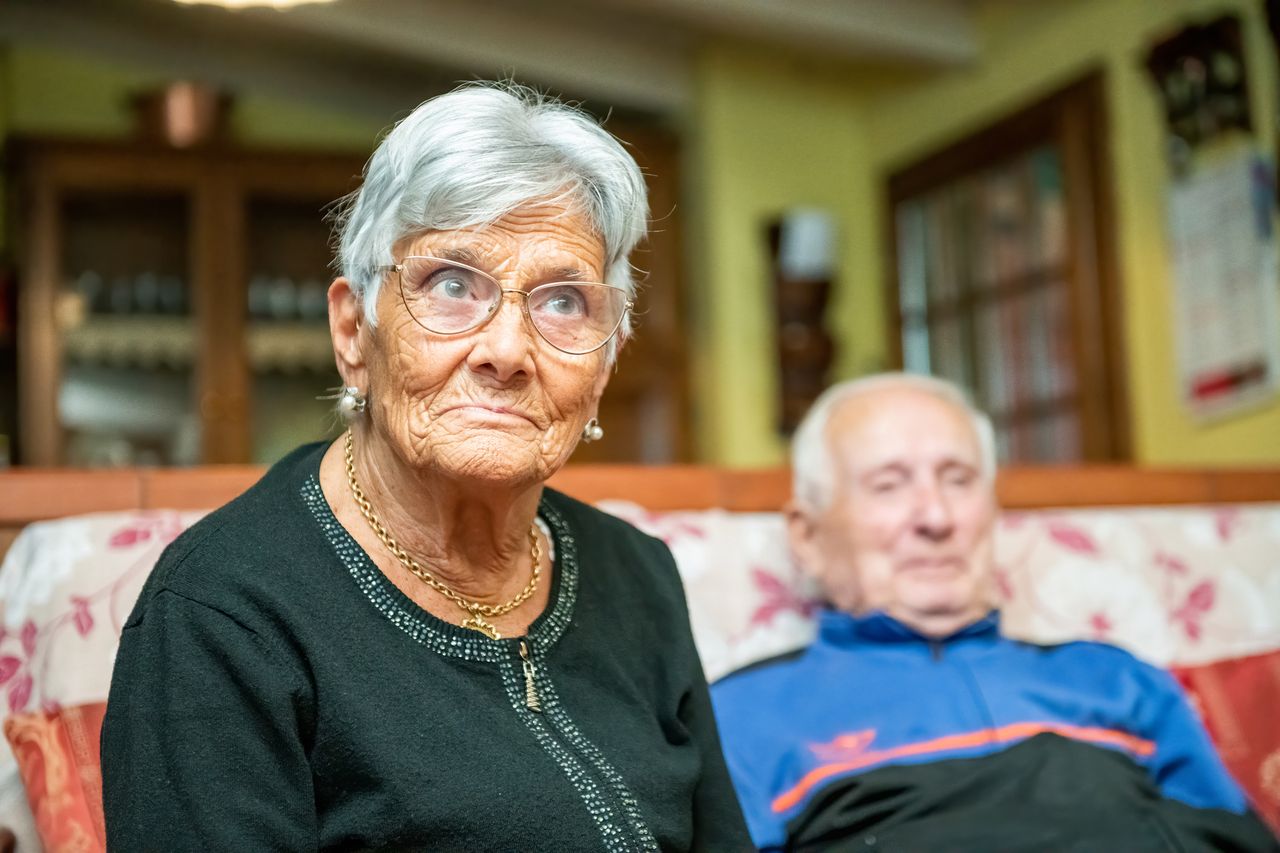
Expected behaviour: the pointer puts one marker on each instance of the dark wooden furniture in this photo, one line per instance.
(1005, 278)
(136, 264)
(646, 411)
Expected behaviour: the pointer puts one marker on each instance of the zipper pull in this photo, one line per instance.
(530, 691)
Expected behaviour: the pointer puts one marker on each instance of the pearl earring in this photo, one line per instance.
(592, 431)
(351, 403)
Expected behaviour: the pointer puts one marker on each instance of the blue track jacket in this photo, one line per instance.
(871, 692)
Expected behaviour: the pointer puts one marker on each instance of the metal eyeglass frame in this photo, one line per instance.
(398, 268)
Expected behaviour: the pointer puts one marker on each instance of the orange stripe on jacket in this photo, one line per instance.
(1003, 734)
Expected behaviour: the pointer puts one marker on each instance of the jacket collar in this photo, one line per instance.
(837, 628)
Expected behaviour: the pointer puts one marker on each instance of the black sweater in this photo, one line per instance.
(274, 691)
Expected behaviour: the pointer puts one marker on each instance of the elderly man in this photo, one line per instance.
(911, 723)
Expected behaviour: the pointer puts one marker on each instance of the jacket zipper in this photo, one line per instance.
(531, 700)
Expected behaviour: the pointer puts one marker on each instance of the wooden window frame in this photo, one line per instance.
(1074, 119)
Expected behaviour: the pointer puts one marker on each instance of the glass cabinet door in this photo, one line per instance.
(288, 348)
(123, 317)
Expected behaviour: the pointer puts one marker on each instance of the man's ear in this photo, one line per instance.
(802, 535)
(346, 317)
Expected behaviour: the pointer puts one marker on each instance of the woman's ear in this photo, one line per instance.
(597, 389)
(346, 317)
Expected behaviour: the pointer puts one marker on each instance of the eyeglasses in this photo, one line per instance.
(449, 298)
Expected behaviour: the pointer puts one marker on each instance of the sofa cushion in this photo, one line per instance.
(66, 588)
(1238, 700)
(57, 755)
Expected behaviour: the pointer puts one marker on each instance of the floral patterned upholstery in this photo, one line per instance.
(1177, 587)
(1180, 587)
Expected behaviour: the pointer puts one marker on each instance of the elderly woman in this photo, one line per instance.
(402, 640)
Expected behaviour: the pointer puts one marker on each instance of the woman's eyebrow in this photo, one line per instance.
(564, 274)
(461, 255)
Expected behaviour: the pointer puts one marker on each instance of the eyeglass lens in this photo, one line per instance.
(445, 298)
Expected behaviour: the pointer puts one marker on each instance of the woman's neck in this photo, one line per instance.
(473, 537)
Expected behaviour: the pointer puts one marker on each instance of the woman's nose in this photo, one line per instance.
(504, 345)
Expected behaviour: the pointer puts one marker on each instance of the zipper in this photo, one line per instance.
(935, 650)
(594, 766)
(531, 700)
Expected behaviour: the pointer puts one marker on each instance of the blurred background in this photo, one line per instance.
(1065, 205)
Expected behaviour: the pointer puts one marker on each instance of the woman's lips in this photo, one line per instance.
(489, 412)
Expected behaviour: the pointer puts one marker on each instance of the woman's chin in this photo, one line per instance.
(494, 458)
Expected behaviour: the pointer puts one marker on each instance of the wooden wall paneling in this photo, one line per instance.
(39, 349)
(646, 409)
(38, 494)
(760, 490)
(219, 292)
(659, 488)
(205, 487)
(1109, 281)
(1244, 486)
(1027, 487)
(1081, 136)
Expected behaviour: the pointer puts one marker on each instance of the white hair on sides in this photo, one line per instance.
(812, 467)
(474, 155)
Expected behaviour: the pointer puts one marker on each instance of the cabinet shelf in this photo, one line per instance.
(152, 343)
(292, 347)
(140, 341)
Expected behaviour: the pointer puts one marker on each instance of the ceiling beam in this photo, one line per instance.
(934, 32)
(219, 48)
(578, 55)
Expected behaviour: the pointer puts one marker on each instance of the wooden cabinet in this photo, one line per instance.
(171, 302)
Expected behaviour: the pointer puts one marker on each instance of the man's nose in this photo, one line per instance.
(934, 519)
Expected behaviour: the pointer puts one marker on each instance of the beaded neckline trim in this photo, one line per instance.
(422, 627)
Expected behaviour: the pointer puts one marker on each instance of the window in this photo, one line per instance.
(1004, 280)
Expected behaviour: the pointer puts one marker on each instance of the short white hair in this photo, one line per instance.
(812, 467)
(474, 155)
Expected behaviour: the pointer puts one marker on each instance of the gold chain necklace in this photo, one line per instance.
(478, 613)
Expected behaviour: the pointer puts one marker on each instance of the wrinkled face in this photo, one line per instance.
(497, 404)
(909, 530)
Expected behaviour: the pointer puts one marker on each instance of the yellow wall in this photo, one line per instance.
(52, 93)
(1031, 49)
(769, 135)
(55, 93)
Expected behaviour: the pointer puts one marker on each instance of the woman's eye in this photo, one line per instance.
(564, 301)
(451, 287)
(884, 487)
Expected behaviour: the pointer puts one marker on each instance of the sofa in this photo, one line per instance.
(1180, 567)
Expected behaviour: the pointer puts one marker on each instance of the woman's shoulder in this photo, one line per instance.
(266, 529)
